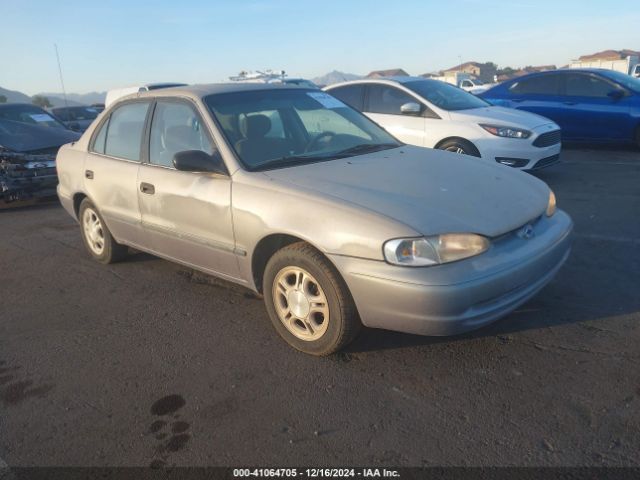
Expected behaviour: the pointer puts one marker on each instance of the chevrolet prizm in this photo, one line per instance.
(295, 195)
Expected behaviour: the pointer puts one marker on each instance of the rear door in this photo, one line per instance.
(591, 113)
(111, 170)
(541, 94)
(187, 215)
(352, 95)
(382, 105)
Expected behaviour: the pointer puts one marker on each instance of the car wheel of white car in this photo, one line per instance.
(308, 302)
(461, 146)
(96, 236)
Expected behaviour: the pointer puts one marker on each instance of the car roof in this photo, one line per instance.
(394, 79)
(381, 80)
(561, 70)
(204, 90)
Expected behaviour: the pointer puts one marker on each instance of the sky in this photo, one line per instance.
(111, 43)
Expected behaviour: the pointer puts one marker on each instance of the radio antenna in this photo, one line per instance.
(64, 92)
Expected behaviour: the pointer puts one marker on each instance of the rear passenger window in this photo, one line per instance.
(124, 132)
(176, 128)
(539, 85)
(352, 95)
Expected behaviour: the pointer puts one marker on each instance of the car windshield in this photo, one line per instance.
(75, 113)
(283, 127)
(623, 79)
(29, 114)
(445, 96)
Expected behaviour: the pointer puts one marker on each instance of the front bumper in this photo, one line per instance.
(461, 296)
(520, 154)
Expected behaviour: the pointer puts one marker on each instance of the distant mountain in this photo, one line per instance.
(75, 98)
(59, 101)
(56, 99)
(14, 97)
(335, 77)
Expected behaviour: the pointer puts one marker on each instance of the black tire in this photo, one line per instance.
(461, 146)
(343, 322)
(111, 251)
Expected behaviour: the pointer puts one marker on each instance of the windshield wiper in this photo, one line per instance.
(292, 160)
(366, 148)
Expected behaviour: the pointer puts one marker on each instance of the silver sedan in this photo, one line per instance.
(304, 200)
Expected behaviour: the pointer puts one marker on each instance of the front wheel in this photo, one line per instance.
(461, 146)
(308, 302)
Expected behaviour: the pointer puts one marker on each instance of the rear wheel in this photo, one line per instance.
(96, 236)
(308, 302)
(461, 146)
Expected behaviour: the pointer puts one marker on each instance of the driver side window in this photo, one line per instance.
(581, 85)
(385, 99)
(175, 128)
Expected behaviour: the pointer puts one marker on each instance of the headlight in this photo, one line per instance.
(421, 252)
(506, 132)
(551, 206)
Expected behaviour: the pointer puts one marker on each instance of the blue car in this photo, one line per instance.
(590, 105)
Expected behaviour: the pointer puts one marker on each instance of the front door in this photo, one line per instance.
(383, 107)
(591, 113)
(187, 215)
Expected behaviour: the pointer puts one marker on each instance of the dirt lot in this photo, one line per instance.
(145, 362)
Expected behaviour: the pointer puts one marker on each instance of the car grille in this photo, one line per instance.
(548, 139)
(545, 162)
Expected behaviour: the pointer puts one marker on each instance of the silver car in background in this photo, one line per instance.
(297, 196)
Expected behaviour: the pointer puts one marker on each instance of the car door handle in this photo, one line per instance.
(569, 103)
(147, 188)
(88, 174)
(518, 100)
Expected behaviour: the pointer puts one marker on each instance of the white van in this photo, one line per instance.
(116, 93)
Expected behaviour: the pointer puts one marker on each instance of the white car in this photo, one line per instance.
(434, 114)
(474, 86)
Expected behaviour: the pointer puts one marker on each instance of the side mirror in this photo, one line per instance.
(199, 161)
(74, 126)
(411, 108)
(615, 94)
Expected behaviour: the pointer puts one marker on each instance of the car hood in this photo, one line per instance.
(23, 137)
(501, 116)
(431, 191)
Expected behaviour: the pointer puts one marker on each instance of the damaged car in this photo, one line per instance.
(29, 141)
